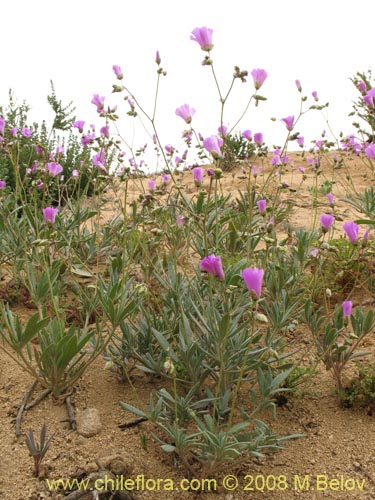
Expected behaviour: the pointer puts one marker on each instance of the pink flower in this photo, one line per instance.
(253, 278)
(223, 131)
(315, 95)
(180, 220)
(198, 173)
(49, 214)
(299, 86)
(347, 306)
(289, 121)
(99, 159)
(213, 144)
(301, 169)
(258, 138)
(369, 98)
(54, 168)
(330, 198)
(87, 139)
(213, 266)
(26, 132)
(98, 101)
(104, 131)
(370, 151)
(352, 230)
(203, 36)
(259, 77)
(246, 134)
(117, 71)
(2, 125)
(362, 87)
(314, 253)
(326, 221)
(2, 184)
(75, 173)
(262, 206)
(185, 112)
(166, 178)
(79, 124)
(152, 184)
(13, 131)
(300, 141)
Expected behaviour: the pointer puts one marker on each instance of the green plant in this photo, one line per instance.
(360, 390)
(337, 340)
(38, 450)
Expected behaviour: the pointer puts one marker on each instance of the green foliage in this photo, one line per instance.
(236, 149)
(38, 450)
(360, 391)
(23, 159)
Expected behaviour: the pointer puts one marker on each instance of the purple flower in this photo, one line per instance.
(39, 149)
(185, 112)
(13, 131)
(300, 141)
(262, 205)
(104, 131)
(326, 221)
(117, 71)
(98, 101)
(203, 36)
(289, 121)
(39, 184)
(362, 87)
(369, 98)
(49, 214)
(75, 173)
(180, 220)
(259, 77)
(2, 184)
(258, 138)
(157, 58)
(301, 169)
(330, 198)
(246, 134)
(347, 306)
(315, 95)
(370, 151)
(60, 150)
(314, 253)
(152, 184)
(26, 132)
(352, 230)
(213, 266)
(54, 168)
(87, 139)
(99, 159)
(223, 131)
(213, 144)
(79, 124)
(253, 278)
(299, 86)
(2, 125)
(166, 178)
(198, 173)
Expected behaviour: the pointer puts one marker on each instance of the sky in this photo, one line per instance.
(75, 43)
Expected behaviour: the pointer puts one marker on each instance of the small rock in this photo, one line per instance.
(88, 422)
(91, 467)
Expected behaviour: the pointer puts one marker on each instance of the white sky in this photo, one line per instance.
(320, 42)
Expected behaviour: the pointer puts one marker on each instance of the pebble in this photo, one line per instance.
(88, 422)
